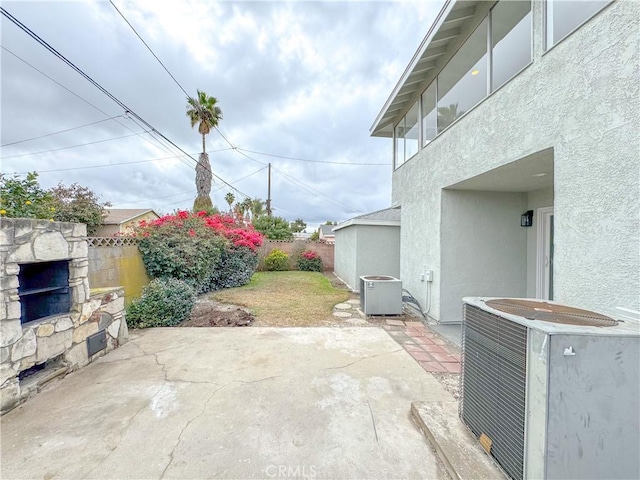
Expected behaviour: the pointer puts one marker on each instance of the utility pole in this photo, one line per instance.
(269, 193)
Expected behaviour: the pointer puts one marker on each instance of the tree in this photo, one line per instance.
(315, 236)
(204, 112)
(257, 208)
(24, 198)
(230, 198)
(274, 228)
(78, 204)
(329, 222)
(298, 225)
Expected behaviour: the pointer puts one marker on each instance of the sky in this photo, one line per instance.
(303, 80)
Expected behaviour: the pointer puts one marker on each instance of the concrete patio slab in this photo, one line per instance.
(231, 403)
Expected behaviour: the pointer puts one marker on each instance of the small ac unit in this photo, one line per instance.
(551, 391)
(380, 295)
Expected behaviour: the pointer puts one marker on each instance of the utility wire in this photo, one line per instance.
(148, 47)
(85, 100)
(312, 190)
(128, 110)
(85, 167)
(61, 131)
(305, 160)
(71, 146)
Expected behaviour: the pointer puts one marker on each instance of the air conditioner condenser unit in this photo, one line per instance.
(380, 295)
(551, 391)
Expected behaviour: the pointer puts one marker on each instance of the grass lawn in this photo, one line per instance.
(286, 299)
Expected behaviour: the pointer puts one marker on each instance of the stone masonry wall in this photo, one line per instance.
(64, 335)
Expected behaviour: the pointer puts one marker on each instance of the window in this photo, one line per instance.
(463, 81)
(412, 132)
(429, 115)
(510, 40)
(564, 16)
(399, 150)
(407, 135)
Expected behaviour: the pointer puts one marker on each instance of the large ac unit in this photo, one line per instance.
(551, 391)
(380, 295)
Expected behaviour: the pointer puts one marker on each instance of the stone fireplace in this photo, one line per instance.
(50, 321)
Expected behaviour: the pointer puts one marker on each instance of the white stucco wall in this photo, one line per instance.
(484, 248)
(366, 250)
(581, 99)
(345, 256)
(378, 250)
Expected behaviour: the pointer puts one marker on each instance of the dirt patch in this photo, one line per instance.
(209, 313)
(450, 382)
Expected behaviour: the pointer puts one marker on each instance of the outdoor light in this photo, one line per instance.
(526, 219)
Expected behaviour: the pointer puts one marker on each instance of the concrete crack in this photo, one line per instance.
(373, 421)
(361, 359)
(204, 408)
(258, 381)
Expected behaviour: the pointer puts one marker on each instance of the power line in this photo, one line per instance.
(51, 78)
(61, 131)
(83, 99)
(85, 167)
(128, 110)
(312, 190)
(305, 160)
(149, 48)
(71, 146)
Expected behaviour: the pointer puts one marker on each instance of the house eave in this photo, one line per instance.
(445, 30)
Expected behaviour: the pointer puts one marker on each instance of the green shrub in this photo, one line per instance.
(193, 247)
(171, 254)
(309, 261)
(277, 261)
(164, 303)
(234, 268)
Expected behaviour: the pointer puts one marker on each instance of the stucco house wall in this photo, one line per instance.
(579, 99)
(366, 250)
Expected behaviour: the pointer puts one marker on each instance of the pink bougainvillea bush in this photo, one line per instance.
(208, 252)
(309, 261)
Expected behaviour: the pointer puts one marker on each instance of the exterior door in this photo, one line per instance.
(544, 285)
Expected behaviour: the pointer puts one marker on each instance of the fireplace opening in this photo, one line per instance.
(43, 289)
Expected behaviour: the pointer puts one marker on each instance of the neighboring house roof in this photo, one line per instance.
(388, 217)
(449, 28)
(118, 216)
(327, 230)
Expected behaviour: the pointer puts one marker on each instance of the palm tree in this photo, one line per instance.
(257, 208)
(230, 198)
(204, 112)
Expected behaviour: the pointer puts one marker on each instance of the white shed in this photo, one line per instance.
(368, 245)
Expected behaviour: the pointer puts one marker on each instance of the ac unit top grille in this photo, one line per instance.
(551, 312)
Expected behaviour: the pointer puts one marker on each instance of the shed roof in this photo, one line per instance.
(118, 216)
(388, 217)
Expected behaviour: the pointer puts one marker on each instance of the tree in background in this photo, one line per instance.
(257, 208)
(329, 222)
(230, 198)
(79, 204)
(204, 112)
(274, 228)
(315, 236)
(24, 198)
(298, 225)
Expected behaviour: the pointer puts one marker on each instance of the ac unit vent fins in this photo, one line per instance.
(494, 384)
(549, 312)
